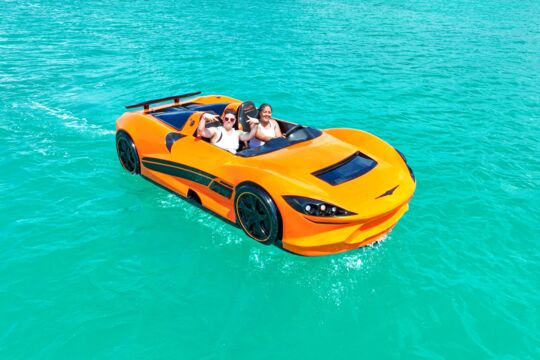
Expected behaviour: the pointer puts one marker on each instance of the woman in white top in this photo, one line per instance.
(268, 128)
(226, 137)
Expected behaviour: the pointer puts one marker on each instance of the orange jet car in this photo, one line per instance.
(310, 192)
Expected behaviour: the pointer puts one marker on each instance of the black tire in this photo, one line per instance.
(257, 214)
(127, 153)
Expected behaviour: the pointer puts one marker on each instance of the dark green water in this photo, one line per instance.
(95, 263)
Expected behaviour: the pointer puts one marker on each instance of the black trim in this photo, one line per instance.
(189, 173)
(411, 172)
(226, 184)
(388, 192)
(182, 166)
(221, 189)
(171, 138)
(178, 170)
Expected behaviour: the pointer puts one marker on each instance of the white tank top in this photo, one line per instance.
(269, 131)
(229, 142)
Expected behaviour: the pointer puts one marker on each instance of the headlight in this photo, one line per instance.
(315, 207)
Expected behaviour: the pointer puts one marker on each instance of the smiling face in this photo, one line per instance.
(265, 114)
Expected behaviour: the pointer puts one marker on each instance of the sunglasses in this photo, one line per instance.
(230, 119)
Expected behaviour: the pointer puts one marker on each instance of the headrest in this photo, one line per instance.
(246, 109)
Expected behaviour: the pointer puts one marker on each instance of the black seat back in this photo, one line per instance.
(246, 109)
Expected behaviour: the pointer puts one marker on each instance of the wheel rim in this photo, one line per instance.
(126, 153)
(254, 216)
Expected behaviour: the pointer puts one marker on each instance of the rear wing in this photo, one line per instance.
(176, 99)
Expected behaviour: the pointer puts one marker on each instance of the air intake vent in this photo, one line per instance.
(352, 167)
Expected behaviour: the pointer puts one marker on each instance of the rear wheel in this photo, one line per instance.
(127, 153)
(257, 214)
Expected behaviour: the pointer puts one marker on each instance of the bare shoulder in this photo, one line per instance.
(275, 125)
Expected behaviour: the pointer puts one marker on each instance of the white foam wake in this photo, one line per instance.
(71, 121)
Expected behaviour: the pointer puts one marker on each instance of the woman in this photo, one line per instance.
(268, 128)
(225, 136)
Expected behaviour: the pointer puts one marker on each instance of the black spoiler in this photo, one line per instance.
(176, 99)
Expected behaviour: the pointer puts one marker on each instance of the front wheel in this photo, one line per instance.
(257, 214)
(127, 153)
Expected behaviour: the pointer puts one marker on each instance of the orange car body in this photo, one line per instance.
(179, 160)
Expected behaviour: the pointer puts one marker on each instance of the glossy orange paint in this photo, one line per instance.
(287, 171)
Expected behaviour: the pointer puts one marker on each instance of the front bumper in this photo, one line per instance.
(305, 237)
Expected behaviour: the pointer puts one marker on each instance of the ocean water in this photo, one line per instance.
(98, 264)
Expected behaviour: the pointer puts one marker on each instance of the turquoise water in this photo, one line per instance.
(95, 263)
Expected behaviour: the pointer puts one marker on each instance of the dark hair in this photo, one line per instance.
(229, 111)
(261, 108)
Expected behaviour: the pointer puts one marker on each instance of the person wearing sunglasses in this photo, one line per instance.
(225, 136)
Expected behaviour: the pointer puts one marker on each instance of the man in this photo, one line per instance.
(226, 137)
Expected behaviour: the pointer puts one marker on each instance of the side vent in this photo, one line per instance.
(171, 138)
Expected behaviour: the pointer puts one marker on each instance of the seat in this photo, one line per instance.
(247, 108)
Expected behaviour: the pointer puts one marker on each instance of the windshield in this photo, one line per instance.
(295, 135)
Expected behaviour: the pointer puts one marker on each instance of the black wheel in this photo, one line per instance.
(127, 153)
(257, 214)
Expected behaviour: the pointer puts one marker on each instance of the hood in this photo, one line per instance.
(379, 189)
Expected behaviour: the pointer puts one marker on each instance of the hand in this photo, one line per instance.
(252, 121)
(211, 118)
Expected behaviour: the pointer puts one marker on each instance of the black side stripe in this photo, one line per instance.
(189, 173)
(178, 172)
(221, 189)
(178, 165)
(225, 184)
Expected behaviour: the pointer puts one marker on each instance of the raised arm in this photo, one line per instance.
(202, 130)
(253, 125)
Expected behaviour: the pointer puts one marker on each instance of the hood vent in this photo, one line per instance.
(348, 169)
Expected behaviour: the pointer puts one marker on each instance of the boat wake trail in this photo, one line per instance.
(71, 121)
